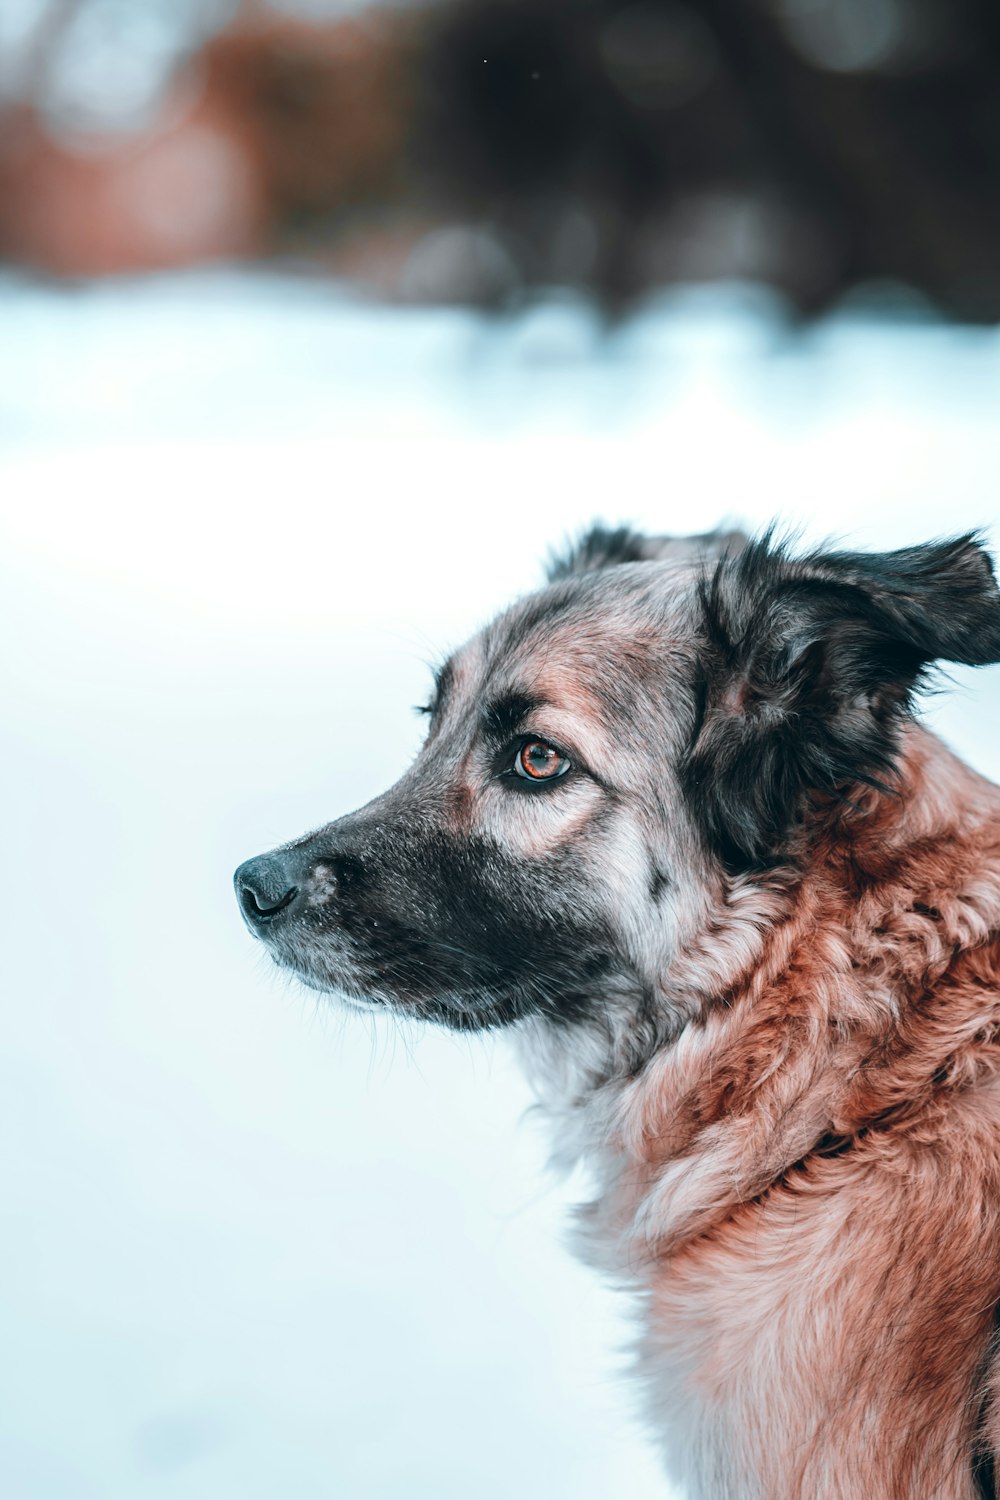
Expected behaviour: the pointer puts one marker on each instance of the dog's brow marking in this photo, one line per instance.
(502, 717)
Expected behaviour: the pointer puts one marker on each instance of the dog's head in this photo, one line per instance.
(665, 717)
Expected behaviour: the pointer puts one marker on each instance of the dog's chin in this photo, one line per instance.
(366, 996)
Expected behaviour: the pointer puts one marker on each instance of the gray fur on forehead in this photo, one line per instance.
(628, 604)
(610, 582)
(604, 547)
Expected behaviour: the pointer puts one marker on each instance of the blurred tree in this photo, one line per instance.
(814, 144)
(473, 149)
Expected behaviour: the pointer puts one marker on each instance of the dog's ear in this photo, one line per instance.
(604, 547)
(809, 669)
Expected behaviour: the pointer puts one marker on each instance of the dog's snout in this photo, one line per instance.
(265, 888)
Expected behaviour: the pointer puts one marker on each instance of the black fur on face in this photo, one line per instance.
(809, 669)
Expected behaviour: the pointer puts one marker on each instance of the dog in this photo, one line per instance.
(677, 828)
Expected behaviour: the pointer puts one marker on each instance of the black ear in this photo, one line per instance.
(809, 670)
(604, 547)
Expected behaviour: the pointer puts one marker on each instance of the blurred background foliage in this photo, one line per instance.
(470, 151)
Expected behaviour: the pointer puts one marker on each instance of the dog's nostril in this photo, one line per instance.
(259, 913)
(264, 888)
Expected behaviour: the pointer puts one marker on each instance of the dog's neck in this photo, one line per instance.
(801, 1013)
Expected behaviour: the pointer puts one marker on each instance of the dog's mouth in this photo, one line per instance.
(376, 964)
(370, 983)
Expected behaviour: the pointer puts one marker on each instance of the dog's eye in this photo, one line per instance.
(537, 761)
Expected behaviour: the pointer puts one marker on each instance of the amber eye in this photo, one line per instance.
(537, 761)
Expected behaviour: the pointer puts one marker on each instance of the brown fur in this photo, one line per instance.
(830, 1290)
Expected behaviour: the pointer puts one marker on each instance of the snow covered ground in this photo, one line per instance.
(251, 1248)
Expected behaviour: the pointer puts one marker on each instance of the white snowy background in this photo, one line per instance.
(250, 1247)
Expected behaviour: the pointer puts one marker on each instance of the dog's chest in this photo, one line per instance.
(705, 1356)
(768, 1344)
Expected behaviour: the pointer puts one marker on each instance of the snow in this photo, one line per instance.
(252, 1246)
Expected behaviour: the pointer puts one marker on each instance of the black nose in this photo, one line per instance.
(265, 888)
